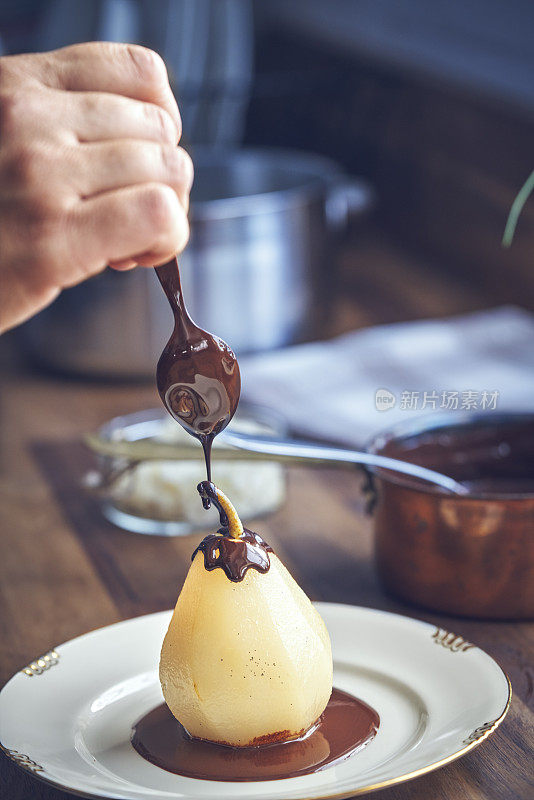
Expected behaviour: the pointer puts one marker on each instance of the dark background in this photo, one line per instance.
(436, 110)
(433, 102)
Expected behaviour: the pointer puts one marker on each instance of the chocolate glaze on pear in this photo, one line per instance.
(233, 555)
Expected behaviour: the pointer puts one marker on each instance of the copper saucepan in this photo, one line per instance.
(470, 555)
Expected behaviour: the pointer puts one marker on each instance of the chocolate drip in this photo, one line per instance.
(235, 556)
(208, 492)
(346, 726)
(197, 374)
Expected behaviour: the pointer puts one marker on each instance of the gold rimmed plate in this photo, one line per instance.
(69, 721)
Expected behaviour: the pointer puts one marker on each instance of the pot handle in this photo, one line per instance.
(346, 200)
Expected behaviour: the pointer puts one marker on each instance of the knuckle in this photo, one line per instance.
(149, 65)
(186, 169)
(170, 161)
(163, 122)
(161, 207)
(178, 165)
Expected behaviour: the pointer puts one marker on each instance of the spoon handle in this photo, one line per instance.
(294, 453)
(169, 277)
(312, 450)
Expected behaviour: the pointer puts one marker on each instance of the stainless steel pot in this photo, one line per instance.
(261, 229)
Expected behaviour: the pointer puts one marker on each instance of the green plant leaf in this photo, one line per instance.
(515, 211)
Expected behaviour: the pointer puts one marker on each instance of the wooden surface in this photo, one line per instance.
(64, 570)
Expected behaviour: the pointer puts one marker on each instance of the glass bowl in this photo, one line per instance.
(141, 489)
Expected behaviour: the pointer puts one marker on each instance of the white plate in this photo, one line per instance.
(67, 717)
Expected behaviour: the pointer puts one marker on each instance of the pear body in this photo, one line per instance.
(245, 663)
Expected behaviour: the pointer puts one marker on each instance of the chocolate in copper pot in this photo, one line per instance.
(197, 374)
(489, 456)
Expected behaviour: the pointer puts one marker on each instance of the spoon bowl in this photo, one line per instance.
(197, 374)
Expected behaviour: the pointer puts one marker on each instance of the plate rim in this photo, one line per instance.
(338, 796)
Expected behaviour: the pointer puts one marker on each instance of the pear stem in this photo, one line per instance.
(229, 517)
(235, 526)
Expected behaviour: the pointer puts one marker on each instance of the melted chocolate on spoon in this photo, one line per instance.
(197, 374)
(346, 725)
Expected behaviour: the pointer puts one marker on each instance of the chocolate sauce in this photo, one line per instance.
(197, 374)
(492, 457)
(234, 556)
(208, 492)
(346, 726)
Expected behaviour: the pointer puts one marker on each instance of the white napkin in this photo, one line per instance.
(478, 362)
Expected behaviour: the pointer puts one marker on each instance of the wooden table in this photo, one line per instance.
(64, 570)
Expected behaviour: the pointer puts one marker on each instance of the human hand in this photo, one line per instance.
(90, 171)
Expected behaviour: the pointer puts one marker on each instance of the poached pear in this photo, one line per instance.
(246, 659)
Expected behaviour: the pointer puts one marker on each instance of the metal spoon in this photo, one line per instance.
(197, 373)
(319, 452)
(243, 446)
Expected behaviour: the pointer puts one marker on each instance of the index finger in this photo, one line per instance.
(124, 69)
